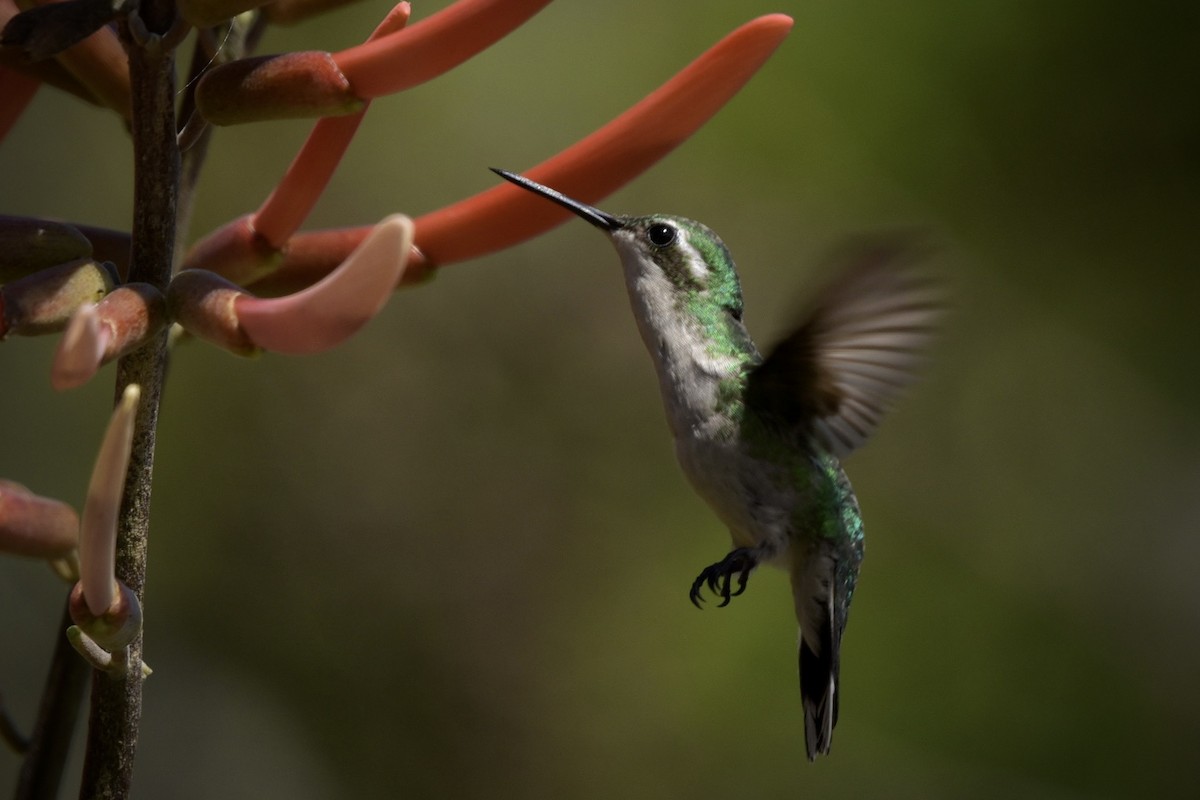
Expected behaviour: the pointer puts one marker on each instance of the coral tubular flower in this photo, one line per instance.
(318, 318)
(237, 252)
(249, 247)
(332, 310)
(589, 170)
(318, 84)
(310, 256)
(287, 207)
(435, 45)
(609, 158)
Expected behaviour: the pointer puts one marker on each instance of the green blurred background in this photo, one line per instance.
(451, 558)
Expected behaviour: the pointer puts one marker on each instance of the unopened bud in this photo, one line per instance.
(44, 301)
(28, 245)
(300, 85)
(126, 318)
(203, 303)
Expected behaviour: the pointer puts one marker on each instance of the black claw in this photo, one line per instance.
(719, 576)
(725, 593)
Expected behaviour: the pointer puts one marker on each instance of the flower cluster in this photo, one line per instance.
(73, 278)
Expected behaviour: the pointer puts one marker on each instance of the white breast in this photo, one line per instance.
(754, 498)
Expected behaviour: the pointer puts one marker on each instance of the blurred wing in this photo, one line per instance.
(861, 344)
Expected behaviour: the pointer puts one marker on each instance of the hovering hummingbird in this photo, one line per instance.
(760, 438)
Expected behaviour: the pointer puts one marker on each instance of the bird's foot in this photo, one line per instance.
(719, 576)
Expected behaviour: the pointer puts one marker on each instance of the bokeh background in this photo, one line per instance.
(451, 558)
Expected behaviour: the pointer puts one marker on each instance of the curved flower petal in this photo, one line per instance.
(98, 528)
(309, 257)
(330, 311)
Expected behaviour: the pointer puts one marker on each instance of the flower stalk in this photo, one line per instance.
(120, 292)
(116, 703)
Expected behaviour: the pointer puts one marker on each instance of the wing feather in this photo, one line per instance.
(861, 344)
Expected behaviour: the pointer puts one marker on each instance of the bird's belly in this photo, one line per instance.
(754, 498)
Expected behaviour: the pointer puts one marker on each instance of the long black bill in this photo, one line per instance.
(593, 215)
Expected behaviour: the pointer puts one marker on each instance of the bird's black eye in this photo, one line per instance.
(660, 234)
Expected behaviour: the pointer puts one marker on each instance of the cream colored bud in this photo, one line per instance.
(44, 301)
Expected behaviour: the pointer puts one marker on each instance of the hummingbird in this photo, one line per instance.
(761, 439)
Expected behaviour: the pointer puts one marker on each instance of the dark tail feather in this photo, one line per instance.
(819, 689)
